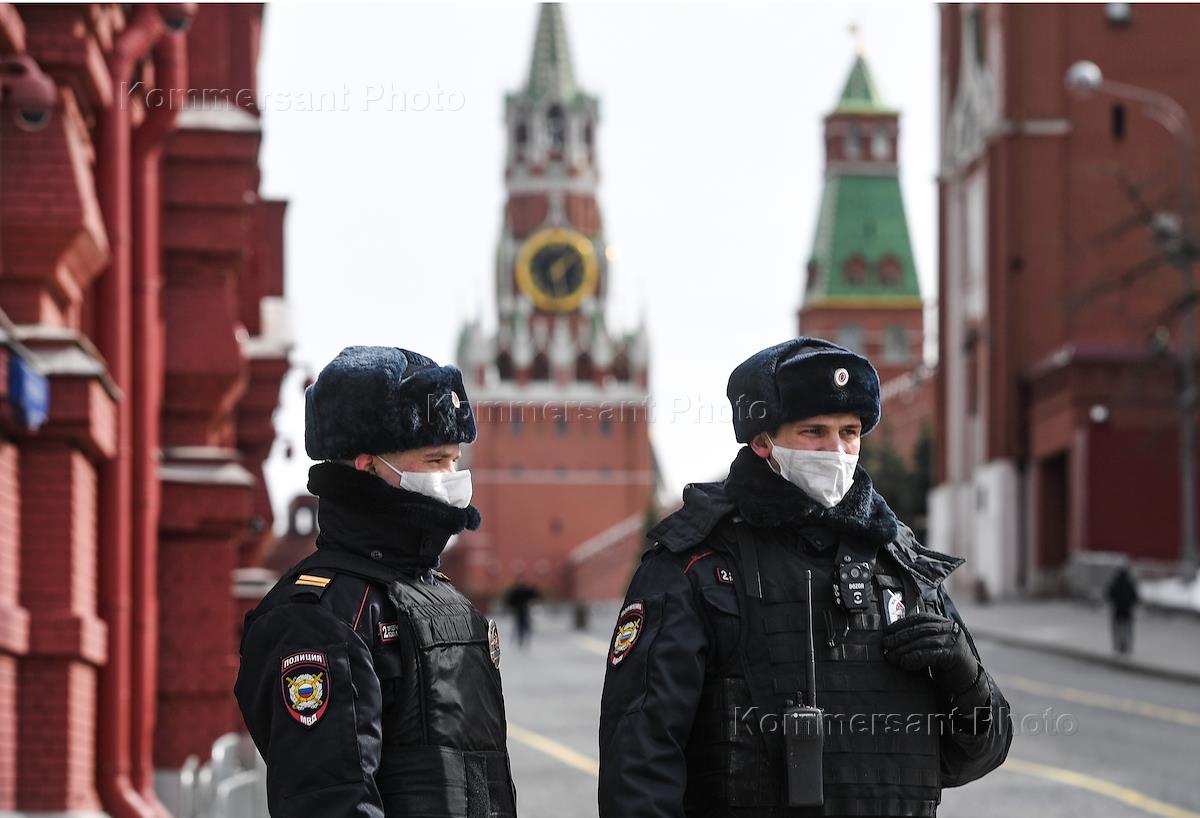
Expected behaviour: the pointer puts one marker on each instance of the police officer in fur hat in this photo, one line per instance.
(720, 698)
(368, 683)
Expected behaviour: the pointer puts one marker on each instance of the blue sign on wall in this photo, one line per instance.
(28, 392)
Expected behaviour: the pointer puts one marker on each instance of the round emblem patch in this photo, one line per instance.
(841, 377)
(494, 642)
(455, 399)
(304, 678)
(629, 628)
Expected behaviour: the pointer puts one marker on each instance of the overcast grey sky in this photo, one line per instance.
(383, 128)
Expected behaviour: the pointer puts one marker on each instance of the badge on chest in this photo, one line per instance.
(893, 605)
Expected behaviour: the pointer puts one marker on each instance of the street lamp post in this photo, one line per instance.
(1084, 79)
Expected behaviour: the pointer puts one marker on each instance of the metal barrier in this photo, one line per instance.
(232, 783)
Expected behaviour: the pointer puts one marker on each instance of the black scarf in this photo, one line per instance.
(362, 514)
(764, 498)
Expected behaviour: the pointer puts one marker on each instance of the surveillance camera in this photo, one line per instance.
(177, 16)
(28, 92)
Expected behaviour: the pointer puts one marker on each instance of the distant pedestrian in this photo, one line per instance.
(519, 600)
(1122, 593)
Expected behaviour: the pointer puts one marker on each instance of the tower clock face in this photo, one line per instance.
(557, 269)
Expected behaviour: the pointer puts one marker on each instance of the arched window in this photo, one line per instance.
(881, 144)
(890, 271)
(556, 122)
(854, 141)
(521, 138)
(895, 344)
(856, 271)
(850, 336)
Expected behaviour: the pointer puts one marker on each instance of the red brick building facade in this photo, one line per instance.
(141, 283)
(1056, 391)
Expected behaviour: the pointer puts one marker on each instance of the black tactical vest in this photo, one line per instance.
(444, 734)
(881, 748)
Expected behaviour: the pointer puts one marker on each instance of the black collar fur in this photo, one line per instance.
(764, 498)
(361, 513)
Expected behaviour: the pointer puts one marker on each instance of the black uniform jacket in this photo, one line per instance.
(321, 686)
(653, 686)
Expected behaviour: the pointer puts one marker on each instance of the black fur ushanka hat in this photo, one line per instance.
(372, 400)
(798, 379)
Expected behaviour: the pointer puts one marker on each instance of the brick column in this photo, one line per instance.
(14, 619)
(207, 499)
(56, 679)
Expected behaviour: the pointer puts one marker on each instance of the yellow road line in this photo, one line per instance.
(593, 645)
(555, 750)
(1057, 775)
(1174, 715)
(1125, 795)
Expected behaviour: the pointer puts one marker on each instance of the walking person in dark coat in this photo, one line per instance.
(710, 660)
(520, 599)
(1122, 593)
(370, 685)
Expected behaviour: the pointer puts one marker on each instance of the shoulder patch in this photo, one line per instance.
(494, 642)
(629, 628)
(304, 680)
(724, 575)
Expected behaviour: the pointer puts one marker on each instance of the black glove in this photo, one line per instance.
(927, 640)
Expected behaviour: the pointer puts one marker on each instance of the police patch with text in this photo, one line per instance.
(304, 678)
(629, 628)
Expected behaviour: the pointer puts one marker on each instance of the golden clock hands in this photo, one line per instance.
(558, 270)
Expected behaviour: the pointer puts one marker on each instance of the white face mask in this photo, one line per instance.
(823, 476)
(451, 487)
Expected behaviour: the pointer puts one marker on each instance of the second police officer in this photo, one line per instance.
(711, 669)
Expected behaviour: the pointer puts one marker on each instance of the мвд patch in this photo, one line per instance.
(629, 628)
(304, 679)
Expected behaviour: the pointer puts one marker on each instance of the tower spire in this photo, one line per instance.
(860, 94)
(550, 72)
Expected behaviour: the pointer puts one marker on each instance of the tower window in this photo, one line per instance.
(1118, 122)
(854, 142)
(850, 336)
(557, 123)
(856, 271)
(560, 423)
(895, 344)
(520, 138)
(881, 144)
(889, 271)
(814, 274)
